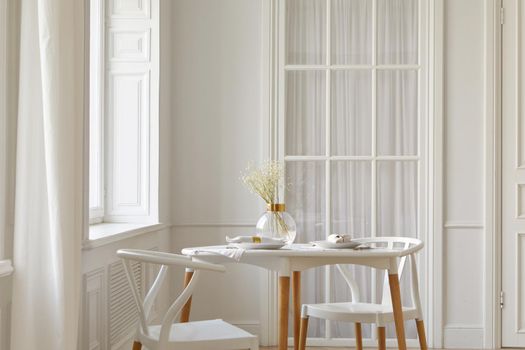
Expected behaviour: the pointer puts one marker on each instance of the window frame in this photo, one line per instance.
(96, 102)
(103, 65)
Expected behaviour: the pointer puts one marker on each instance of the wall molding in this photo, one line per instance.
(436, 174)
(464, 225)
(94, 310)
(461, 336)
(492, 113)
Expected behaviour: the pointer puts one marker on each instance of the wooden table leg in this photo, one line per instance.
(395, 293)
(296, 292)
(358, 336)
(185, 312)
(284, 301)
(381, 338)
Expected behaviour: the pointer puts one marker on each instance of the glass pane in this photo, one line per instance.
(351, 31)
(305, 201)
(305, 112)
(351, 113)
(397, 198)
(351, 198)
(397, 124)
(305, 31)
(397, 31)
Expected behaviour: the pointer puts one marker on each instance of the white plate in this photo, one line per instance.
(331, 245)
(257, 245)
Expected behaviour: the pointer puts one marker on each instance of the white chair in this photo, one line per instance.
(201, 335)
(380, 314)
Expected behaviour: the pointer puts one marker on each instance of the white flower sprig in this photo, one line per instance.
(265, 181)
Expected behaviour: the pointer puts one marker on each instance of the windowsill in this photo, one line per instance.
(6, 268)
(106, 233)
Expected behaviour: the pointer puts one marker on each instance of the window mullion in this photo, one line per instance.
(373, 187)
(328, 197)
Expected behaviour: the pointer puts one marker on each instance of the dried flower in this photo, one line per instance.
(265, 181)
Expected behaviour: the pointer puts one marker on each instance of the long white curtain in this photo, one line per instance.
(352, 133)
(49, 205)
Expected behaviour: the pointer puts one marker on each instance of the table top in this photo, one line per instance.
(304, 250)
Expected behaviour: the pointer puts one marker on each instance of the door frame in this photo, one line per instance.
(433, 257)
(494, 18)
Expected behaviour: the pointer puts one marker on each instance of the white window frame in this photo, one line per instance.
(139, 22)
(96, 109)
(276, 96)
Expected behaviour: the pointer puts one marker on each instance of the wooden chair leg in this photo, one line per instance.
(302, 333)
(381, 338)
(137, 345)
(421, 334)
(358, 336)
(185, 313)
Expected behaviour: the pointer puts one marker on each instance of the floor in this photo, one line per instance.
(339, 348)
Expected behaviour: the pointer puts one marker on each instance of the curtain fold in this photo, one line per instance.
(49, 181)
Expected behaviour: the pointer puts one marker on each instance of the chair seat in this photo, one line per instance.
(210, 334)
(357, 312)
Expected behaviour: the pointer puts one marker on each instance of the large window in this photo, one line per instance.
(124, 111)
(352, 92)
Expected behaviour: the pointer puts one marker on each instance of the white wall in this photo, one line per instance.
(216, 131)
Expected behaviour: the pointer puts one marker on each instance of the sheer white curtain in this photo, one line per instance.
(49, 207)
(352, 192)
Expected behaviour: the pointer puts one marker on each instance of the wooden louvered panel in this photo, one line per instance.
(123, 313)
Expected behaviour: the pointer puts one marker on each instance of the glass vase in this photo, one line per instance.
(277, 223)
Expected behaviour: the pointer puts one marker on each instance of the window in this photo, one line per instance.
(352, 131)
(124, 111)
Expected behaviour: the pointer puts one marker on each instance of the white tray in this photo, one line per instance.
(257, 245)
(331, 245)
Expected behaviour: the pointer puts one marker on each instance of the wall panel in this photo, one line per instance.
(464, 165)
(463, 260)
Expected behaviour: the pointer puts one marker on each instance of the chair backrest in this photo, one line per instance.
(411, 245)
(165, 260)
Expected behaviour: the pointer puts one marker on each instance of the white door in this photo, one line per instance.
(513, 162)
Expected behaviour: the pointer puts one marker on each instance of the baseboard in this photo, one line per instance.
(463, 337)
(350, 342)
(250, 327)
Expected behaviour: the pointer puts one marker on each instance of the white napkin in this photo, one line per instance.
(335, 238)
(254, 239)
(233, 253)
